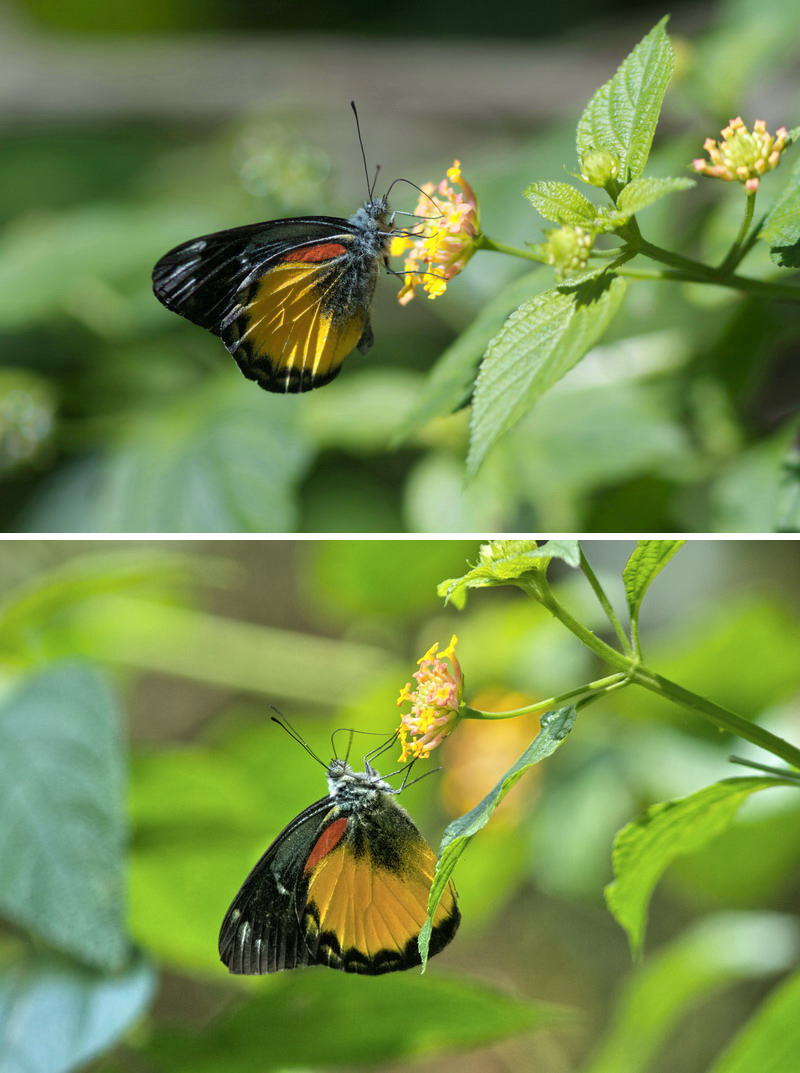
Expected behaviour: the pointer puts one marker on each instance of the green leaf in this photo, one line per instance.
(225, 459)
(561, 203)
(555, 726)
(537, 346)
(451, 380)
(622, 115)
(507, 562)
(646, 562)
(781, 229)
(56, 1015)
(714, 954)
(62, 786)
(645, 848)
(356, 1021)
(639, 193)
(770, 1041)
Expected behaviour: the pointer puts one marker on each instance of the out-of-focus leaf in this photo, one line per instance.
(360, 413)
(386, 578)
(398, 1016)
(535, 348)
(644, 849)
(226, 459)
(61, 799)
(555, 727)
(622, 115)
(714, 954)
(56, 1015)
(770, 1041)
(30, 611)
(451, 380)
(507, 562)
(754, 494)
(647, 560)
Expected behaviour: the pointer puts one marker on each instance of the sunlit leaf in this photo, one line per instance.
(507, 562)
(647, 560)
(622, 115)
(644, 849)
(536, 347)
(555, 726)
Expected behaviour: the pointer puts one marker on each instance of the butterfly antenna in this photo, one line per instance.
(374, 181)
(363, 154)
(439, 213)
(381, 748)
(285, 725)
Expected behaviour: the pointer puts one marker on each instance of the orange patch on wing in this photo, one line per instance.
(371, 909)
(323, 252)
(327, 841)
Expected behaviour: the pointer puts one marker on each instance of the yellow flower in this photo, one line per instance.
(447, 240)
(435, 702)
(742, 155)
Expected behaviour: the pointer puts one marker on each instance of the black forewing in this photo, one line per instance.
(202, 279)
(262, 930)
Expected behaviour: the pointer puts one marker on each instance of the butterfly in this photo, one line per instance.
(345, 884)
(290, 298)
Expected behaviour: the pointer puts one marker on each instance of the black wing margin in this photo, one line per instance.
(201, 279)
(262, 931)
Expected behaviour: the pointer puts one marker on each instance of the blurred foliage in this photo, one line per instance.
(117, 416)
(195, 644)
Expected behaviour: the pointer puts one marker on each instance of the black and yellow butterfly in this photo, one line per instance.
(289, 298)
(344, 885)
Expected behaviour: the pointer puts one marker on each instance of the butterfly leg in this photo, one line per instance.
(367, 338)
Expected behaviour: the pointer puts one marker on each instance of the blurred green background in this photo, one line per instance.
(129, 128)
(140, 778)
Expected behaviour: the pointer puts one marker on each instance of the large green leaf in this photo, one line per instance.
(770, 1041)
(322, 1019)
(536, 347)
(56, 1015)
(451, 380)
(640, 193)
(561, 203)
(781, 229)
(507, 562)
(622, 115)
(646, 562)
(555, 726)
(63, 834)
(714, 954)
(644, 849)
(226, 459)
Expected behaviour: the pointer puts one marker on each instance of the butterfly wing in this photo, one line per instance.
(289, 298)
(346, 891)
(262, 930)
(367, 898)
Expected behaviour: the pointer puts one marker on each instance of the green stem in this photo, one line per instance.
(600, 685)
(633, 671)
(736, 252)
(605, 603)
(721, 717)
(486, 243)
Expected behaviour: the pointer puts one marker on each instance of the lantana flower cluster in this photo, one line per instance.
(743, 155)
(447, 240)
(435, 702)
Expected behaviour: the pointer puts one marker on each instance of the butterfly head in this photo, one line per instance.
(373, 214)
(351, 789)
